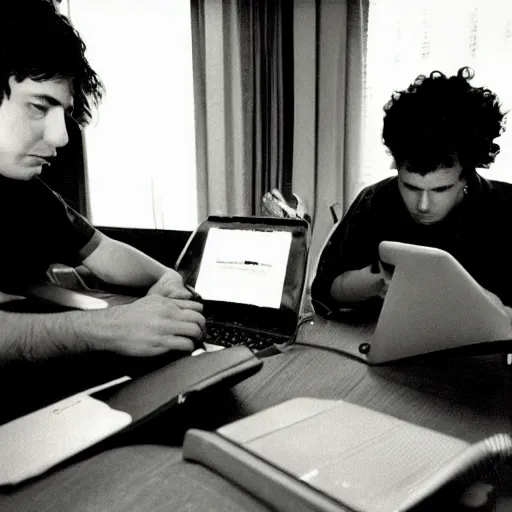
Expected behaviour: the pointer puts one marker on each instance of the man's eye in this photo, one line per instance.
(37, 108)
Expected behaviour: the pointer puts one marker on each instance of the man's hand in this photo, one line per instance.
(385, 279)
(151, 326)
(355, 286)
(170, 285)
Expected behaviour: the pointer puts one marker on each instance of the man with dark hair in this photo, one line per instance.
(45, 77)
(438, 131)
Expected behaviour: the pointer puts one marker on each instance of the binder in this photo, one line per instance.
(34, 443)
(326, 455)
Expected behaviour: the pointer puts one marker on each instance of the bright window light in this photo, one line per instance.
(140, 147)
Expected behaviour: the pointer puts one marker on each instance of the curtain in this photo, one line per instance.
(329, 51)
(244, 103)
(279, 95)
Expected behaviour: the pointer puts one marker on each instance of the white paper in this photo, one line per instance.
(32, 444)
(208, 347)
(246, 267)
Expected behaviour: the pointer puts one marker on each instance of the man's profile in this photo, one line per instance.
(45, 78)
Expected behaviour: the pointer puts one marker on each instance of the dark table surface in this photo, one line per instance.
(464, 396)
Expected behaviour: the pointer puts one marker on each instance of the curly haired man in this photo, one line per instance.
(439, 131)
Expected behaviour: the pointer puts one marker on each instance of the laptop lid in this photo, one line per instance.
(432, 304)
(250, 271)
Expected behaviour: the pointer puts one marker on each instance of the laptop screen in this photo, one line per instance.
(249, 270)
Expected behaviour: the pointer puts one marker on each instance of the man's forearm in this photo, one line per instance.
(31, 337)
(120, 264)
(356, 286)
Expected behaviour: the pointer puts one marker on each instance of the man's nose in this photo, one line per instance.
(56, 133)
(424, 202)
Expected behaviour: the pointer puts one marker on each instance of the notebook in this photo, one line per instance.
(250, 273)
(320, 455)
(432, 304)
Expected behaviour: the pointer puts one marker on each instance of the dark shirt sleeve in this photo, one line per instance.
(349, 247)
(82, 238)
(78, 238)
(488, 249)
(38, 229)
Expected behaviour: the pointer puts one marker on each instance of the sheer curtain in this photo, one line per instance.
(243, 94)
(329, 51)
(406, 39)
(278, 103)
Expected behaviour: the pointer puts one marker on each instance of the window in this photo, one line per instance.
(406, 39)
(140, 147)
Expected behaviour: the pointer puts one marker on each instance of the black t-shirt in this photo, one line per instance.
(477, 232)
(38, 229)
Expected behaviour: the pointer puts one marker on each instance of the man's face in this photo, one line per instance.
(32, 126)
(431, 197)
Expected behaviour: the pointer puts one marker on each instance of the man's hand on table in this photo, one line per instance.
(152, 325)
(170, 285)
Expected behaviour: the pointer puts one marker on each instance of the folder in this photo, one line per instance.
(34, 443)
(328, 455)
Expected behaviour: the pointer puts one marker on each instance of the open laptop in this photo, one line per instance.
(250, 273)
(432, 304)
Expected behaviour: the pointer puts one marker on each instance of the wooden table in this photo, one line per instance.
(468, 397)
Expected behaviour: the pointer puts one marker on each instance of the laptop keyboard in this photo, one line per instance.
(231, 336)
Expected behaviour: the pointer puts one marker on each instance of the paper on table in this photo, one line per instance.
(34, 443)
(246, 267)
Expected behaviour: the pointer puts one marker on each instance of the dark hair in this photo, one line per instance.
(439, 119)
(37, 42)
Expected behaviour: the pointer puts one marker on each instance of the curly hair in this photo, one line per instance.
(37, 42)
(440, 119)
